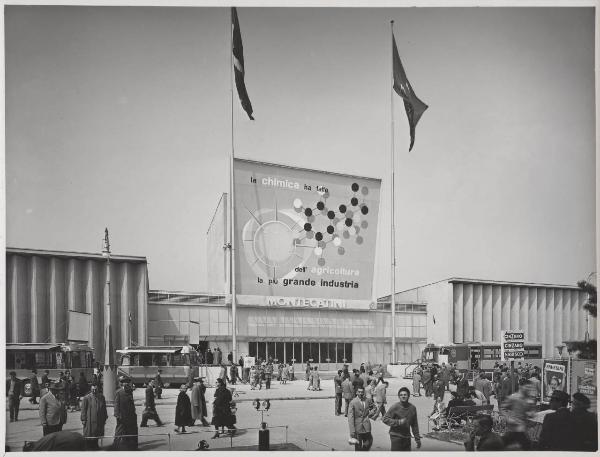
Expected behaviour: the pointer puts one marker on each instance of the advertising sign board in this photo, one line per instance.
(512, 345)
(304, 238)
(554, 377)
(584, 380)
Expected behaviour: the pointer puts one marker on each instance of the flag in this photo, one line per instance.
(414, 107)
(238, 64)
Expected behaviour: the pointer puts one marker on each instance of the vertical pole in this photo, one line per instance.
(110, 370)
(512, 375)
(393, 228)
(231, 204)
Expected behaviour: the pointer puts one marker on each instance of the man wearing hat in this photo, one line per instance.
(158, 384)
(53, 411)
(14, 393)
(585, 424)
(482, 438)
(199, 402)
(557, 428)
(126, 417)
(150, 410)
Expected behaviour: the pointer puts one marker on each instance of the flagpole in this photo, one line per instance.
(231, 204)
(393, 227)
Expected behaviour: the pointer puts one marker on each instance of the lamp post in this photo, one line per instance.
(110, 368)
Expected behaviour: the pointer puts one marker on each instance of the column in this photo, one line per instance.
(532, 321)
(515, 324)
(124, 305)
(496, 312)
(541, 321)
(142, 305)
(550, 342)
(477, 312)
(458, 312)
(487, 312)
(505, 299)
(524, 311)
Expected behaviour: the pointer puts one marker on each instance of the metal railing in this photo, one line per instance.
(306, 440)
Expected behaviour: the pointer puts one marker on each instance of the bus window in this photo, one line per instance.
(43, 360)
(178, 360)
(145, 360)
(75, 359)
(159, 360)
(193, 358)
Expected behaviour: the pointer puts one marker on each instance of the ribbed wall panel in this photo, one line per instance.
(515, 324)
(532, 318)
(558, 315)
(524, 311)
(566, 327)
(40, 323)
(505, 299)
(541, 320)
(496, 312)
(468, 312)
(457, 305)
(142, 293)
(124, 307)
(477, 312)
(550, 346)
(487, 315)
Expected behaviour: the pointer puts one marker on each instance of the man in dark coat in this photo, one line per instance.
(183, 410)
(337, 381)
(93, 416)
(557, 429)
(462, 385)
(14, 393)
(357, 381)
(585, 424)
(222, 416)
(158, 384)
(150, 409)
(218, 356)
(482, 438)
(45, 378)
(35, 387)
(209, 357)
(126, 417)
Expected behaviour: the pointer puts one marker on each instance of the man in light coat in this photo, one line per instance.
(93, 416)
(199, 401)
(359, 422)
(53, 411)
(347, 393)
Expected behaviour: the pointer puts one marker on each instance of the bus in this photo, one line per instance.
(477, 355)
(141, 364)
(54, 357)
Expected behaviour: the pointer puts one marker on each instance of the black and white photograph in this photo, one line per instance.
(306, 226)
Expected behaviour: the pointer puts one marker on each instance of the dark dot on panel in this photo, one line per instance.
(330, 229)
(364, 209)
(318, 236)
(348, 222)
(308, 212)
(355, 187)
(330, 214)
(320, 206)
(342, 209)
(354, 201)
(307, 227)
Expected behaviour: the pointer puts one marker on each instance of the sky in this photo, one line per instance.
(121, 117)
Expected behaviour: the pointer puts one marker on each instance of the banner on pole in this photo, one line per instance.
(304, 238)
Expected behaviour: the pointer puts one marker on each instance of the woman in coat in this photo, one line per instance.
(199, 402)
(183, 410)
(222, 416)
(93, 416)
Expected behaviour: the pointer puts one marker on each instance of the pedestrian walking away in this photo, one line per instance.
(518, 408)
(35, 387)
(183, 410)
(347, 393)
(402, 418)
(379, 397)
(150, 407)
(359, 422)
(93, 416)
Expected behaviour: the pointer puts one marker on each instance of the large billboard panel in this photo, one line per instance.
(304, 238)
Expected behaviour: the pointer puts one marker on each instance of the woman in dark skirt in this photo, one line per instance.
(222, 416)
(183, 410)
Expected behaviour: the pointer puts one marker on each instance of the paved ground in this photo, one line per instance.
(312, 424)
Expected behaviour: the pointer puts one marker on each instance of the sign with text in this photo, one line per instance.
(512, 345)
(554, 377)
(304, 238)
